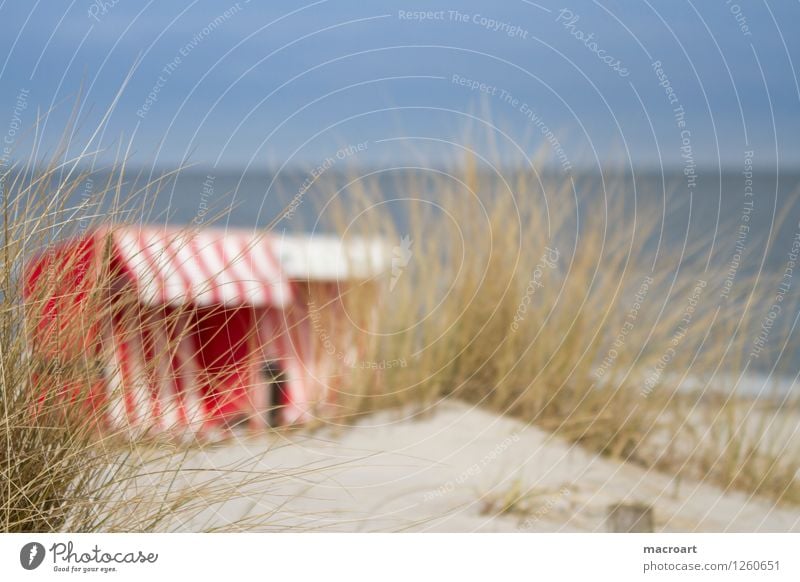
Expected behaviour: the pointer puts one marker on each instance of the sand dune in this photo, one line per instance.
(452, 470)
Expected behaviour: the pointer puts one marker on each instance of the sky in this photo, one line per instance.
(265, 84)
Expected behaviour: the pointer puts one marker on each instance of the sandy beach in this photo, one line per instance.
(455, 470)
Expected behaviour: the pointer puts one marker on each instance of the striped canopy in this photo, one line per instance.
(203, 267)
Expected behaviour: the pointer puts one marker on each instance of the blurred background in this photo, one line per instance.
(592, 214)
(683, 113)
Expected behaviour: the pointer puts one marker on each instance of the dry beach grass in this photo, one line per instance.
(58, 472)
(526, 300)
(526, 297)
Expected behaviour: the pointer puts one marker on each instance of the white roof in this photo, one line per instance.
(327, 258)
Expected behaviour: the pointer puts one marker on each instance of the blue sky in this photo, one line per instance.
(271, 83)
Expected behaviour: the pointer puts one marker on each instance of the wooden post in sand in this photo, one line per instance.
(630, 518)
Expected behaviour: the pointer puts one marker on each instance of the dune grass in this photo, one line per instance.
(555, 306)
(62, 468)
(514, 293)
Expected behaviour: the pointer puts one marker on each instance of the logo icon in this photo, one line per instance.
(31, 555)
(401, 255)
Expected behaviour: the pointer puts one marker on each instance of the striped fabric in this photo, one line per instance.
(206, 267)
(211, 308)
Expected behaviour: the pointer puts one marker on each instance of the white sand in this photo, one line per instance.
(438, 473)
